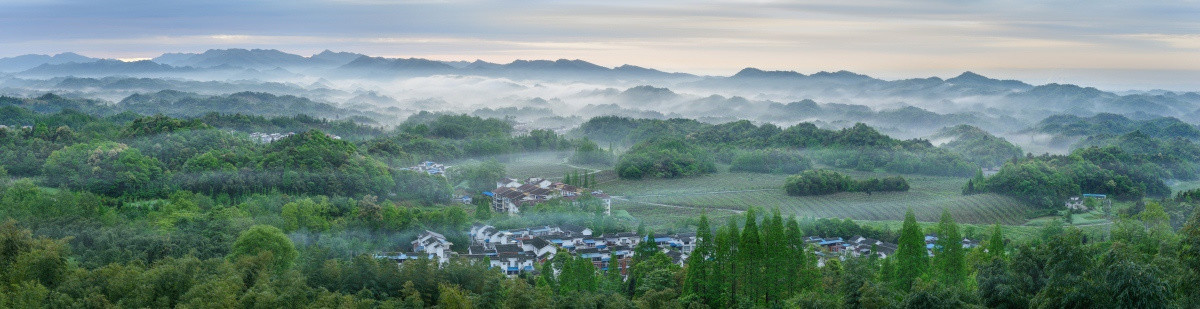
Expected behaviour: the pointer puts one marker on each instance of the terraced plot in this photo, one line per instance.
(734, 192)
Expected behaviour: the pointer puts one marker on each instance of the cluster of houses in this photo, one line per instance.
(429, 167)
(273, 137)
(511, 195)
(517, 251)
(839, 248)
(5, 127)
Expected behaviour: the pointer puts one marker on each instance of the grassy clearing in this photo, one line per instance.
(1179, 186)
(550, 165)
(726, 192)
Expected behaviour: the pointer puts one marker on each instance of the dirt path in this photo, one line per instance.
(706, 192)
(590, 170)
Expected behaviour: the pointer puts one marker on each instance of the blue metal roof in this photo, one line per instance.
(489, 193)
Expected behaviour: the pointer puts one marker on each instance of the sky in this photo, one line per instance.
(1104, 43)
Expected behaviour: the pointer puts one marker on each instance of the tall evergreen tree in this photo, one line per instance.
(730, 267)
(699, 268)
(949, 260)
(750, 256)
(1189, 255)
(996, 242)
(642, 252)
(912, 259)
(774, 270)
(613, 282)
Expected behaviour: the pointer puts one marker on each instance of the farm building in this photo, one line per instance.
(511, 195)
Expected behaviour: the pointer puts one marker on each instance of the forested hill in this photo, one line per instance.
(185, 104)
(978, 146)
(858, 147)
(182, 104)
(1113, 124)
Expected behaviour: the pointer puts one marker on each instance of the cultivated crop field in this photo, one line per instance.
(728, 193)
(551, 165)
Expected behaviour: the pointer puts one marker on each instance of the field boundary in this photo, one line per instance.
(677, 206)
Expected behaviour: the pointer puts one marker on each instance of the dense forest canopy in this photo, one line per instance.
(858, 147)
(666, 157)
(1048, 180)
(1113, 124)
(978, 146)
(138, 205)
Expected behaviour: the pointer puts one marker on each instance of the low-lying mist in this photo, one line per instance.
(561, 94)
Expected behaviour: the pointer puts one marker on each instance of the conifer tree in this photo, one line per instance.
(794, 246)
(698, 267)
(730, 264)
(950, 261)
(1189, 253)
(774, 270)
(750, 256)
(911, 257)
(613, 283)
(996, 242)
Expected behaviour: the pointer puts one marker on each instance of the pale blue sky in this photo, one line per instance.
(1111, 44)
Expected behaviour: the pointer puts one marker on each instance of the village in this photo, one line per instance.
(511, 195)
(518, 251)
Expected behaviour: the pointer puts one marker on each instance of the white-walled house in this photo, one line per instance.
(433, 243)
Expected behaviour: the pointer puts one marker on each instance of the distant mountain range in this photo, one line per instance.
(25, 62)
(335, 64)
(994, 104)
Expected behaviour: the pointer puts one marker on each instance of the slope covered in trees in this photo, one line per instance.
(1113, 125)
(978, 146)
(1048, 180)
(858, 147)
(664, 158)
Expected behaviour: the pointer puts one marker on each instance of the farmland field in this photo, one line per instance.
(550, 165)
(728, 193)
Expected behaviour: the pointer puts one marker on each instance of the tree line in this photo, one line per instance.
(821, 182)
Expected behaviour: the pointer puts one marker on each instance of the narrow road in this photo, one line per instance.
(706, 192)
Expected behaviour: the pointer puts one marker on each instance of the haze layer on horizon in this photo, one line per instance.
(1112, 45)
